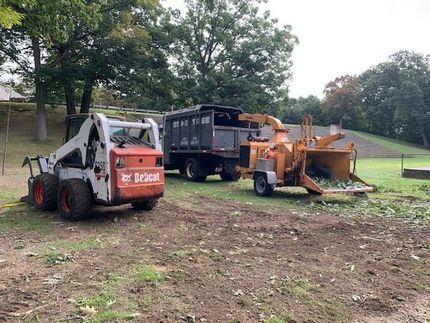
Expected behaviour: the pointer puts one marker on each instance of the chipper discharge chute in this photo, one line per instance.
(309, 161)
(104, 160)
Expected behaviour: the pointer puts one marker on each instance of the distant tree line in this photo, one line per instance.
(145, 55)
(390, 99)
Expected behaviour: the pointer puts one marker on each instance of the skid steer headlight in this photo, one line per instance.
(120, 162)
(159, 162)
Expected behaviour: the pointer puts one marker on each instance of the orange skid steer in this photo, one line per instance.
(104, 160)
(307, 162)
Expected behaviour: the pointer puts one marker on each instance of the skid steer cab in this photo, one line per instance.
(103, 160)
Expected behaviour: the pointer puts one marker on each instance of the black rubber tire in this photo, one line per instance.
(44, 192)
(229, 177)
(147, 205)
(191, 171)
(74, 199)
(261, 186)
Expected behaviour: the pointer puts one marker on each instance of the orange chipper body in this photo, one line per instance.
(281, 162)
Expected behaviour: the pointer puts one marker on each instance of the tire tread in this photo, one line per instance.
(81, 197)
(50, 187)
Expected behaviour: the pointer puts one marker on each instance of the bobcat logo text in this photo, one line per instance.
(140, 178)
(146, 177)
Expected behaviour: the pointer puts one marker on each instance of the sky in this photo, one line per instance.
(339, 37)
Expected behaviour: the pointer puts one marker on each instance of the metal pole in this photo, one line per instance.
(402, 165)
(5, 141)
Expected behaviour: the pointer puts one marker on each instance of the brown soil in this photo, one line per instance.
(224, 261)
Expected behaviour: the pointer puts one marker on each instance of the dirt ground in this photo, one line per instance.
(222, 261)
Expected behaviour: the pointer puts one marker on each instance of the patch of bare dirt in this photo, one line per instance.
(224, 261)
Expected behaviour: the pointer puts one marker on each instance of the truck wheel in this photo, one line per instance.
(225, 176)
(74, 199)
(44, 192)
(261, 186)
(147, 205)
(191, 171)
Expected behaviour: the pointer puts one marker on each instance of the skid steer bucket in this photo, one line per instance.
(328, 171)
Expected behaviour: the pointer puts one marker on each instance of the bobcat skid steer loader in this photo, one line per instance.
(104, 160)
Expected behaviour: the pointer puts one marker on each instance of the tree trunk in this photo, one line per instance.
(41, 133)
(86, 96)
(426, 142)
(70, 97)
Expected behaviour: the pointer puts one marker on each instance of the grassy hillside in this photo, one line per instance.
(368, 145)
(397, 145)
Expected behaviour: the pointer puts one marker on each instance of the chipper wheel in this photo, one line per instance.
(261, 186)
(74, 199)
(147, 205)
(44, 192)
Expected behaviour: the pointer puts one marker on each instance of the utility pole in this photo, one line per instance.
(5, 141)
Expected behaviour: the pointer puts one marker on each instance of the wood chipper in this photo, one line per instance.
(104, 160)
(308, 162)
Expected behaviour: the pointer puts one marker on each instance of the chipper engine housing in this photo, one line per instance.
(104, 160)
(304, 162)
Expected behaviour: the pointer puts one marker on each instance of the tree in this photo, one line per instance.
(413, 96)
(295, 109)
(396, 97)
(378, 93)
(9, 17)
(227, 53)
(341, 104)
(126, 52)
(144, 78)
(43, 23)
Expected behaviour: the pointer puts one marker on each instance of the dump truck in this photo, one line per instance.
(204, 140)
(103, 160)
(308, 162)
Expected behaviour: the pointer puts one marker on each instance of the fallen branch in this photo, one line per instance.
(25, 314)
